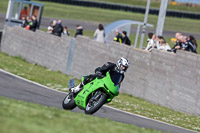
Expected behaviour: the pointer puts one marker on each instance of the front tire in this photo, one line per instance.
(68, 102)
(95, 104)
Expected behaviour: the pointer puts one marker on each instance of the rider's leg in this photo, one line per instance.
(86, 80)
(77, 88)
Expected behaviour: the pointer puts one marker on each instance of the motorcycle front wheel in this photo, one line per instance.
(68, 102)
(95, 102)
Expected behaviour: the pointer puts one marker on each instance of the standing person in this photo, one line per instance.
(24, 12)
(24, 22)
(58, 29)
(164, 45)
(99, 34)
(33, 23)
(193, 40)
(118, 37)
(51, 27)
(116, 72)
(125, 38)
(27, 22)
(65, 31)
(190, 44)
(79, 30)
(177, 45)
(151, 42)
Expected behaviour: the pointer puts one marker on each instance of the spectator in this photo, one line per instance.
(58, 29)
(125, 38)
(118, 37)
(183, 40)
(24, 12)
(50, 28)
(151, 42)
(177, 45)
(24, 22)
(149, 37)
(190, 44)
(193, 40)
(158, 41)
(99, 34)
(65, 31)
(32, 23)
(79, 30)
(163, 45)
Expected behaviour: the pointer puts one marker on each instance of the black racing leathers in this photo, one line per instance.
(100, 72)
(189, 46)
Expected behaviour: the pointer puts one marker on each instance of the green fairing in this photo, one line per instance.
(105, 84)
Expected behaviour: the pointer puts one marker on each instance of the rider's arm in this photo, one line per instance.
(105, 68)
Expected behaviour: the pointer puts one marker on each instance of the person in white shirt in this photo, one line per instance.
(151, 42)
(163, 45)
(99, 34)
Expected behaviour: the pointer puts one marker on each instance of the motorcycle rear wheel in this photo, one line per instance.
(68, 102)
(95, 104)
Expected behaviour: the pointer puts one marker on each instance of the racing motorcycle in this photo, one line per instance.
(93, 95)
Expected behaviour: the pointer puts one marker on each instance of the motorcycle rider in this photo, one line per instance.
(116, 73)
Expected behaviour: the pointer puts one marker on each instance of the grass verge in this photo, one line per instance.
(63, 11)
(128, 103)
(154, 4)
(55, 10)
(21, 117)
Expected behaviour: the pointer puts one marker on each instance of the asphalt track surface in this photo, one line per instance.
(15, 87)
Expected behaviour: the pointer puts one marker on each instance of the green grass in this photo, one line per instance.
(62, 11)
(33, 71)
(125, 102)
(3, 6)
(154, 4)
(21, 117)
(58, 81)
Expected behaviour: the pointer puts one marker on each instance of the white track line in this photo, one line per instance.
(30, 81)
(104, 105)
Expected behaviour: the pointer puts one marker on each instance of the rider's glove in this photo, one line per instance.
(99, 74)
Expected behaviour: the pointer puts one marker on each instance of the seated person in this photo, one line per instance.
(24, 12)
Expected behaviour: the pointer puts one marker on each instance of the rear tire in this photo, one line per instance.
(68, 102)
(95, 104)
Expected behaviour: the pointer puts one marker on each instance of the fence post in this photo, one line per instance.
(70, 56)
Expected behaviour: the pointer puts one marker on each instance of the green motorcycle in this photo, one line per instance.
(93, 95)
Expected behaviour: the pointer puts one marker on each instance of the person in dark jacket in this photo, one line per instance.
(177, 45)
(116, 73)
(118, 37)
(58, 29)
(33, 23)
(190, 44)
(125, 38)
(79, 30)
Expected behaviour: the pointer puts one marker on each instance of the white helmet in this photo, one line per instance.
(122, 62)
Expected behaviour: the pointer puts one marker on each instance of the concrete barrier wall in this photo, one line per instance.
(167, 79)
(36, 47)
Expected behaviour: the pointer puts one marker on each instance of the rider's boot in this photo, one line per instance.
(77, 88)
